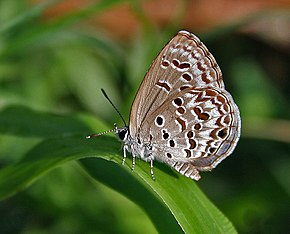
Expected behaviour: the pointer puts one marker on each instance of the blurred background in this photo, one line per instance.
(56, 55)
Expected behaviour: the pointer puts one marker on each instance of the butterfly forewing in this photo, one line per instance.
(183, 63)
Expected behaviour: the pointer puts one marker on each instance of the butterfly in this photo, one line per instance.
(182, 115)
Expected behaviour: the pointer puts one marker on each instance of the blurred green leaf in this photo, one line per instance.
(40, 33)
(170, 192)
(254, 92)
(22, 121)
(18, 22)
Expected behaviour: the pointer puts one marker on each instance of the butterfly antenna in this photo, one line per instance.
(99, 134)
(106, 96)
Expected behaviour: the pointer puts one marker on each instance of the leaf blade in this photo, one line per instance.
(190, 207)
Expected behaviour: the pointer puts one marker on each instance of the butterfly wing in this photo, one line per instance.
(184, 62)
(182, 109)
(195, 129)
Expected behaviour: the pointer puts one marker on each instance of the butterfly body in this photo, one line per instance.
(137, 148)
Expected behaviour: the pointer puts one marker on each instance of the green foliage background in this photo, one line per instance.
(53, 180)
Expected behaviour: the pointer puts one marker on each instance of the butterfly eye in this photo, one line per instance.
(123, 134)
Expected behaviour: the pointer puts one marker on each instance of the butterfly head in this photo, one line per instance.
(122, 133)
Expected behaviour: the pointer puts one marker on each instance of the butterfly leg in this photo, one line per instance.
(133, 161)
(151, 170)
(124, 154)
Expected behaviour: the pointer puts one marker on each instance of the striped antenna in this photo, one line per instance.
(99, 134)
(102, 133)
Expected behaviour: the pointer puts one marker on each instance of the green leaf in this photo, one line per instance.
(192, 210)
(190, 207)
(22, 121)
